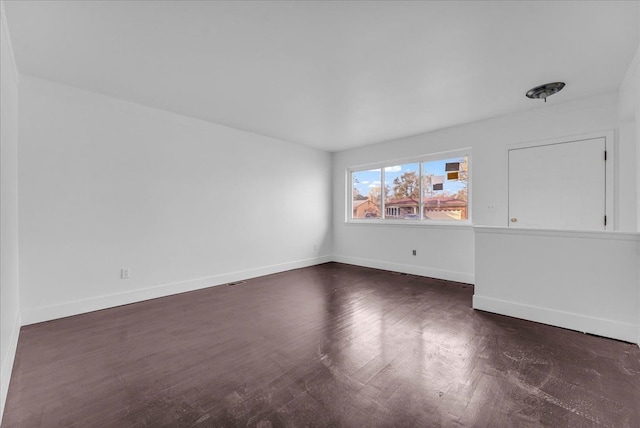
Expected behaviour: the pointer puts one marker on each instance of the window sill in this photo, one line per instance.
(440, 224)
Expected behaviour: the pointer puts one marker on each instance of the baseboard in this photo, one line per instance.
(582, 323)
(47, 313)
(7, 364)
(448, 275)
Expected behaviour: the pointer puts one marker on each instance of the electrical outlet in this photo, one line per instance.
(315, 247)
(414, 252)
(125, 273)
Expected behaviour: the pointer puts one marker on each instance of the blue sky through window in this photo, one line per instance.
(364, 181)
(437, 168)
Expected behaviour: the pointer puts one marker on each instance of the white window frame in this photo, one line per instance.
(417, 159)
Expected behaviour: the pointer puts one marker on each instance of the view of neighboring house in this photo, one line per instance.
(445, 208)
(434, 208)
(401, 208)
(365, 209)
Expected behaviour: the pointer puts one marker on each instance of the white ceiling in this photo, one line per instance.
(332, 75)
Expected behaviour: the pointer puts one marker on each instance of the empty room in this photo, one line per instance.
(320, 213)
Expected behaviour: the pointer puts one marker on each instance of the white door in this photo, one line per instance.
(558, 186)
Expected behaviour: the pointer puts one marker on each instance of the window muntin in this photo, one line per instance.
(432, 189)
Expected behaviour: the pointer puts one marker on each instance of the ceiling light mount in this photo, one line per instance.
(543, 91)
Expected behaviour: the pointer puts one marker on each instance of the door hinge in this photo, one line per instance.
(605, 155)
(605, 220)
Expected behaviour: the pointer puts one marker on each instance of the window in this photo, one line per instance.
(428, 188)
(402, 200)
(445, 189)
(365, 189)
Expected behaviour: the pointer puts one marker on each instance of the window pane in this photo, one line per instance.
(402, 196)
(365, 189)
(444, 189)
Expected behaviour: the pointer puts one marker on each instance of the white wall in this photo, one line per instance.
(448, 252)
(107, 184)
(585, 281)
(629, 116)
(9, 313)
(629, 112)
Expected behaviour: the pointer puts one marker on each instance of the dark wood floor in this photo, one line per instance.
(331, 345)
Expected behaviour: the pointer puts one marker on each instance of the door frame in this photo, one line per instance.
(609, 168)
